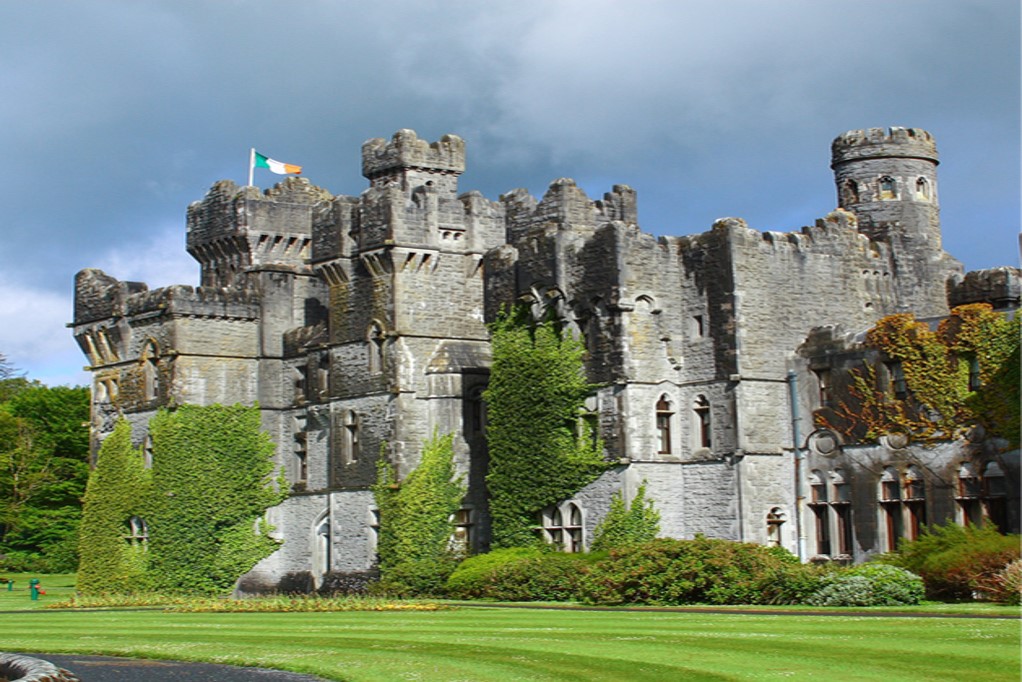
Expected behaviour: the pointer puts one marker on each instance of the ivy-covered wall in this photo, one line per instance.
(113, 554)
(541, 451)
(202, 504)
(932, 385)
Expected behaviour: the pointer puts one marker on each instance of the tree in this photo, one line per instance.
(43, 470)
(541, 451)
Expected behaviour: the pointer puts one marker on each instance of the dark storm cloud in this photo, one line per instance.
(116, 115)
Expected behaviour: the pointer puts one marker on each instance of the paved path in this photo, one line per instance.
(110, 669)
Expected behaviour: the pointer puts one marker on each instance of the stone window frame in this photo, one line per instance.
(982, 495)
(850, 191)
(150, 362)
(376, 339)
(563, 525)
(831, 504)
(350, 436)
(702, 422)
(138, 532)
(664, 424)
(902, 501)
(887, 188)
(924, 189)
(320, 558)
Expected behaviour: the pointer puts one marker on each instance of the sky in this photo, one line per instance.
(116, 114)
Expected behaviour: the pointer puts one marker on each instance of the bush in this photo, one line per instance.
(699, 571)
(552, 576)
(420, 578)
(869, 585)
(521, 574)
(1006, 585)
(473, 576)
(627, 524)
(956, 561)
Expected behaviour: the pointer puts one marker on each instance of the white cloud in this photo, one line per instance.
(160, 262)
(33, 335)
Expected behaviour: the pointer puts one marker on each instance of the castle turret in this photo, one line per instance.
(888, 179)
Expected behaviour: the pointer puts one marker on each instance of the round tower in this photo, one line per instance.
(888, 178)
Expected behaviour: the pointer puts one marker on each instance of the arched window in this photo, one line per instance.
(562, 526)
(890, 503)
(915, 501)
(301, 458)
(969, 493)
(888, 188)
(664, 416)
(821, 511)
(850, 192)
(138, 532)
(150, 371)
(702, 425)
(922, 189)
(321, 558)
(349, 437)
(831, 504)
(375, 339)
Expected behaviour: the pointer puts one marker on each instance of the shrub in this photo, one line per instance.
(1005, 586)
(472, 578)
(626, 525)
(956, 561)
(521, 574)
(869, 585)
(418, 578)
(699, 571)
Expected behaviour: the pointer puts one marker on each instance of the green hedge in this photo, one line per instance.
(699, 571)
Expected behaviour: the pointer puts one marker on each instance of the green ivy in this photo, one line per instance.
(212, 482)
(541, 452)
(415, 516)
(627, 524)
(111, 562)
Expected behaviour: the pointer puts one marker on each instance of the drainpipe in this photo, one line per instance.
(796, 438)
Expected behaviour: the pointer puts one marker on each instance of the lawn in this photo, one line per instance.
(479, 644)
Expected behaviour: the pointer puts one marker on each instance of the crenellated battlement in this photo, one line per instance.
(406, 150)
(883, 143)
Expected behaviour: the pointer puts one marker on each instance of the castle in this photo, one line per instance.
(358, 324)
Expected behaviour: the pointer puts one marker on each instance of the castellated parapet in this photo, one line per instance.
(358, 324)
(911, 143)
(406, 151)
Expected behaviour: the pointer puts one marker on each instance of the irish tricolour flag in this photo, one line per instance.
(257, 160)
(278, 167)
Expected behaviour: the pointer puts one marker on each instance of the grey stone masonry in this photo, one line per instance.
(358, 324)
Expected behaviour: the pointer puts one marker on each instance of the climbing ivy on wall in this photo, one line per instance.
(627, 524)
(112, 561)
(541, 452)
(415, 515)
(938, 401)
(213, 480)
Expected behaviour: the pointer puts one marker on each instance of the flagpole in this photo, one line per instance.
(251, 165)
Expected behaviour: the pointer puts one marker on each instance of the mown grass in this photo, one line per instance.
(481, 644)
(381, 640)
